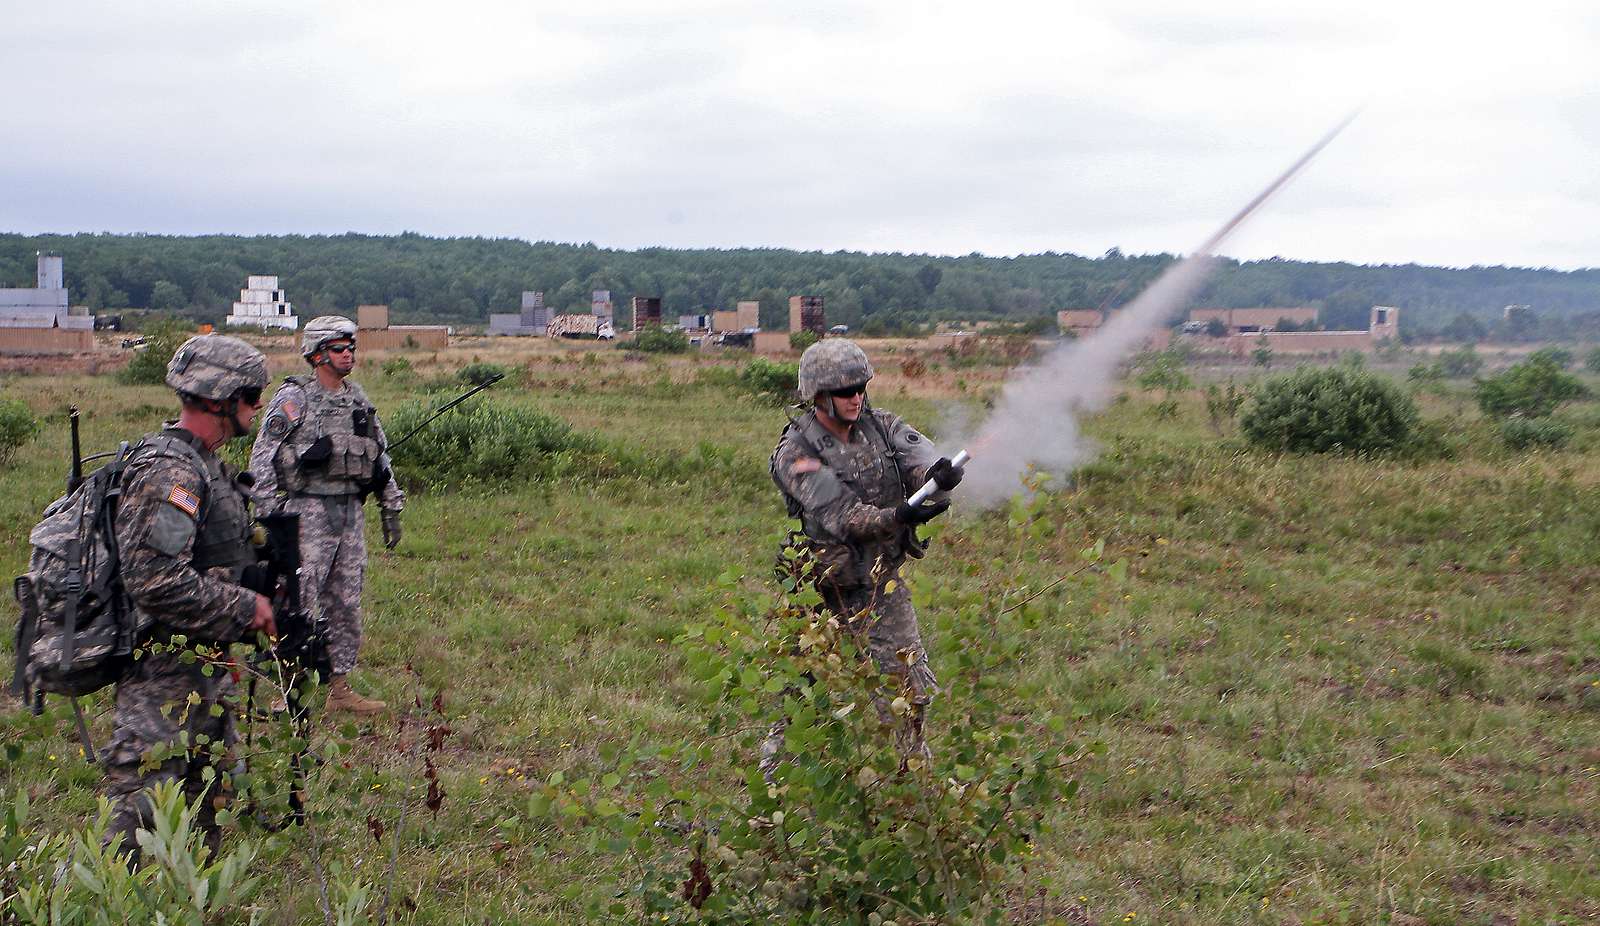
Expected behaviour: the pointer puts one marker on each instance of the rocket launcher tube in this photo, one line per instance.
(930, 487)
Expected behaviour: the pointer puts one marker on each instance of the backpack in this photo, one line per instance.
(78, 626)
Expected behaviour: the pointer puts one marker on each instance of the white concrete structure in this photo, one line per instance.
(44, 305)
(261, 304)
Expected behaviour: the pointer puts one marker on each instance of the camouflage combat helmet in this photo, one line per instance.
(833, 363)
(215, 366)
(325, 328)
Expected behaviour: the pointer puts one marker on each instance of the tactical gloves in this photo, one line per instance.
(946, 475)
(912, 515)
(391, 527)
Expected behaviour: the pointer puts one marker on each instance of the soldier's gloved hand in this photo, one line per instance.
(391, 527)
(912, 515)
(946, 475)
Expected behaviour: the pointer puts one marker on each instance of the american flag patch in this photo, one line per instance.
(184, 500)
(291, 409)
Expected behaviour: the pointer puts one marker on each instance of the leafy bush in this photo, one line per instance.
(1163, 370)
(770, 380)
(1532, 389)
(1262, 355)
(1592, 361)
(1460, 363)
(17, 427)
(800, 340)
(1559, 356)
(1318, 410)
(654, 340)
(846, 828)
(480, 442)
(1522, 433)
(149, 365)
(397, 368)
(1422, 374)
(1222, 406)
(476, 374)
(49, 878)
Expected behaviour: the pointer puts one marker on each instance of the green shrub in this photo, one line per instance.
(476, 374)
(1318, 410)
(1592, 361)
(800, 340)
(845, 829)
(1522, 433)
(654, 340)
(1559, 356)
(770, 380)
(17, 427)
(1532, 389)
(55, 878)
(397, 368)
(1422, 374)
(1460, 363)
(1262, 355)
(1222, 406)
(480, 442)
(149, 364)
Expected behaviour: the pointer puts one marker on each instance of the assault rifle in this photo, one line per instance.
(302, 643)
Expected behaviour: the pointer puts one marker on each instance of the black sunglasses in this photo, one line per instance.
(341, 348)
(251, 395)
(848, 392)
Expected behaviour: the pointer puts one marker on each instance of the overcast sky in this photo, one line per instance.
(944, 127)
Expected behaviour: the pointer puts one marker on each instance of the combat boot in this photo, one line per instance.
(341, 697)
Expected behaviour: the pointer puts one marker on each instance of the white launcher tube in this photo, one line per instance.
(930, 487)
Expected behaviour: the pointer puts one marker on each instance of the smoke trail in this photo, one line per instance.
(1035, 421)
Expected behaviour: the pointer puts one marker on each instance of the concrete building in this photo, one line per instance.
(44, 305)
(375, 333)
(39, 319)
(530, 322)
(262, 304)
(1242, 321)
(1383, 324)
(1079, 321)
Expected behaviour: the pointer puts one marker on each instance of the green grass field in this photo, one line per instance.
(1330, 690)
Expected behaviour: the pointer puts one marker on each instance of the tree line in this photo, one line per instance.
(463, 280)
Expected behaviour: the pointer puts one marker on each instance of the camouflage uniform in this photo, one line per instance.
(318, 450)
(846, 508)
(183, 528)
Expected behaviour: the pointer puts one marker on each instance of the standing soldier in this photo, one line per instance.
(847, 470)
(183, 528)
(320, 453)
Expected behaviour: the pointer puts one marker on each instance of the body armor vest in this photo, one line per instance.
(333, 451)
(222, 534)
(870, 470)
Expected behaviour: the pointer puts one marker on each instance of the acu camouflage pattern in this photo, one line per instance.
(333, 547)
(846, 510)
(183, 529)
(832, 363)
(215, 366)
(322, 329)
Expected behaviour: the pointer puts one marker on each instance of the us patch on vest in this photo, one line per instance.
(184, 500)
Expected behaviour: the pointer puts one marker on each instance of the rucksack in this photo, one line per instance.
(78, 626)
